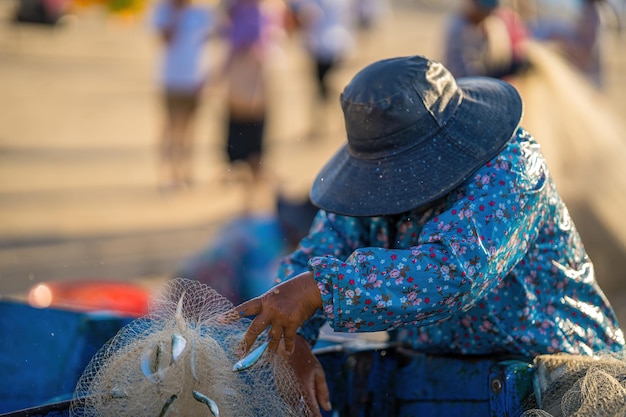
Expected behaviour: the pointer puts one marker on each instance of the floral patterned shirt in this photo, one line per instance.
(496, 267)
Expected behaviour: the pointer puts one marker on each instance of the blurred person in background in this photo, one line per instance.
(184, 29)
(241, 262)
(578, 36)
(485, 38)
(43, 12)
(370, 12)
(251, 29)
(327, 28)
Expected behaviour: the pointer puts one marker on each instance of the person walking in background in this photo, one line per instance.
(579, 39)
(370, 12)
(327, 27)
(250, 29)
(184, 29)
(485, 38)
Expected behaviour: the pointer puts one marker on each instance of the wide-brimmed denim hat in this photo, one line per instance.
(414, 134)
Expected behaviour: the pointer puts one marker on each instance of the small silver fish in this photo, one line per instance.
(194, 372)
(178, 316)
(179, 343)
(167, 405)
(250, 359)
(118, 392)
(209, 403)
(151, 361)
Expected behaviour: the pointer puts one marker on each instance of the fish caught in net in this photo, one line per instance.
(180, 360)
(580, 386)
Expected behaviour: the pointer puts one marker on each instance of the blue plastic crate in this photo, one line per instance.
(392, 382)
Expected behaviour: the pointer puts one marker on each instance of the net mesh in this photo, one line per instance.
(580, 386)
(178, 361)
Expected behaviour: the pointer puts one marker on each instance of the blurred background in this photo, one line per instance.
(82, 191)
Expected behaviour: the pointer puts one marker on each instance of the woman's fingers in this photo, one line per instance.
(308, 387)
(310, 375)
(321, 390)
(258, 326)
(249, 308)
(314, 407)
(275, 335)
(283, 309)
(289, 337)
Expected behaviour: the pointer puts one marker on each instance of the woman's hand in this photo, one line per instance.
(311, 377)
(283, 308)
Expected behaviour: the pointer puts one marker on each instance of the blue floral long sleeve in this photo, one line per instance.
(498, 267)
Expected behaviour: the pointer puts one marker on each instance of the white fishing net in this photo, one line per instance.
(580, 386)
(178, 361)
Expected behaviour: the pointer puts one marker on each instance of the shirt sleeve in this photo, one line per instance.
(462, 254)
(327, 236)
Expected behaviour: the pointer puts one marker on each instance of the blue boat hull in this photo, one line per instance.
(43, 352)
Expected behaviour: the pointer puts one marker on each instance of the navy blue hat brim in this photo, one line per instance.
(482, 125)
